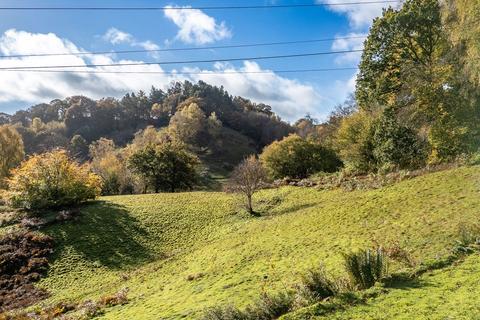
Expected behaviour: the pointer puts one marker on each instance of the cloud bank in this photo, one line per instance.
(291, 99)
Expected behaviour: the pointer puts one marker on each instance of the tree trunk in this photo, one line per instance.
(249, 204)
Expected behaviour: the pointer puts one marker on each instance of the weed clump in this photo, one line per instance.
(366, 267)
(315, 285)
(82, 311)
(267, 307)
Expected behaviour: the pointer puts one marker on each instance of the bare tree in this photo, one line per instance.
(247, 178)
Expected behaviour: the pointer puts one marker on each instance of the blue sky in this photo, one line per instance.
(291, 95)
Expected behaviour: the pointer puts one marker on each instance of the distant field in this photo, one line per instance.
(180, 253)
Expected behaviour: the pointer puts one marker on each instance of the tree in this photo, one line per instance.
(402, 43)
(11, 150)
(247, 178)
(415, 63)
(165, 167)
(188, 123)
(396, 146)
(109, 163)
(37, 125)
(79, 147)
(353, 142)
(51, 180)
(461, 20)
(295, 157)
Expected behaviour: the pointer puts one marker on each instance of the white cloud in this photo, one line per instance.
(196, 27)
(115, 36)
(290, 98)
(359, 15)
(35, 87)
(352, 41)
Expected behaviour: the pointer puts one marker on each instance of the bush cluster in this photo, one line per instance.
(296, 157)
(51, 180)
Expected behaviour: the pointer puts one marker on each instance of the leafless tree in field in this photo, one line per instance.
(247, 178)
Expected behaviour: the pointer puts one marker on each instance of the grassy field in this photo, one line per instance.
(180, 253)
(451, 293)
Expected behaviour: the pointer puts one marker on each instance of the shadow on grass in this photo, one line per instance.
(405, 283)
(295, 208)
(104, 234)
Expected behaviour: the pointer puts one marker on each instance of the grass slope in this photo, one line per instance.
(451, 293)
(180, 253)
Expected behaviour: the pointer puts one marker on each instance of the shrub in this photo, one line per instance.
(468, 235)
(366, 267)
(267, 307)
(224, 313)
(353, 142)
(396, 146)
(296, 157)
(119, 298)
(51, 180)
(397, 253)
(315, 285)
(270, 306)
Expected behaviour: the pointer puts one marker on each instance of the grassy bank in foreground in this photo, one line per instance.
(180, 253)
(451, 293)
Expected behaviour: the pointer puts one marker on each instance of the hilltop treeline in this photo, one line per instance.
(51, 125)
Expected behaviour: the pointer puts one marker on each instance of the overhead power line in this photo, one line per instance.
(279, 6)
(183, 73)
(312, 54)
(264, 44)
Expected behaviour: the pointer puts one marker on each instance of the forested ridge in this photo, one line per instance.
(53, 125)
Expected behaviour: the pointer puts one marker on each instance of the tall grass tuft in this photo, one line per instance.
(315, 285)
(270, 306)
(224, 313)
(267, 307)
(366, 267)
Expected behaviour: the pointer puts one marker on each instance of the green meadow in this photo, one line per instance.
(181, 253)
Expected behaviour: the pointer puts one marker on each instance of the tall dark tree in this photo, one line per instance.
(167, 167)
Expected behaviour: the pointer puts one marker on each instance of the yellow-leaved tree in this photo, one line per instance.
(51, 180)
(11, 151)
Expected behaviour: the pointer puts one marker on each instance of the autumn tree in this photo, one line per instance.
(247, 178)
(353, 142)
(110, 163)
(410, 66)
(295, 157)
(11, 150)
(461, 21)
(51, 180)
(188, 123)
